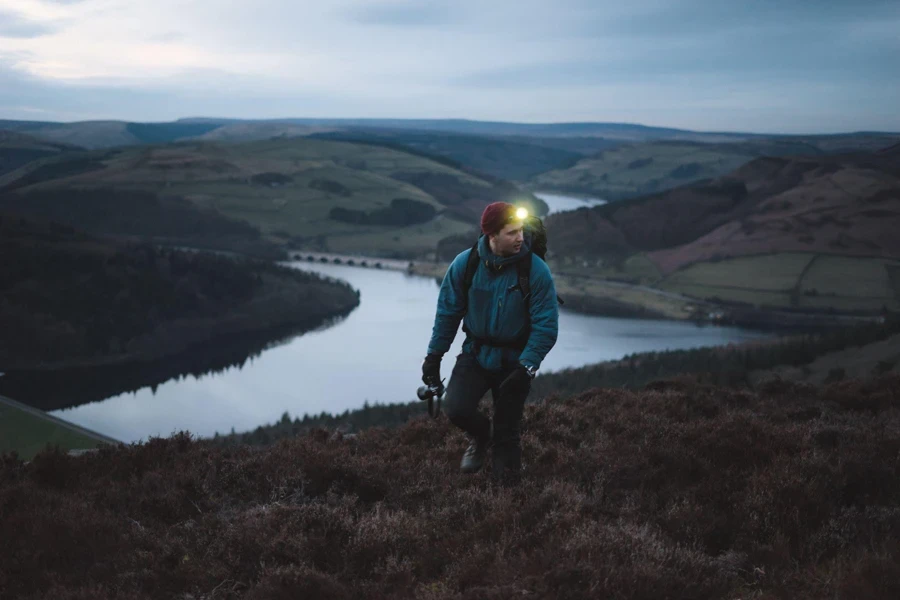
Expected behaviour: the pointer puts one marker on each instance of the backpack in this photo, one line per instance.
(534, 228)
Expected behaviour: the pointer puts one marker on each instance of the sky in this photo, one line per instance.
(768, 66)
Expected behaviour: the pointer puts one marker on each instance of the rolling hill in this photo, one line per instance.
(19, 149)
(97, 134)
(503, 157)
(807, 232)
(298, 192)
(107, 134)
(633, 170)
(615, 131)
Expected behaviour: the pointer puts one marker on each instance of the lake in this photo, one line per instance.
(559, 202)
(374, 354)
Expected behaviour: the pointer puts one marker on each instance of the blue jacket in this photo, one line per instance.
(496, 308)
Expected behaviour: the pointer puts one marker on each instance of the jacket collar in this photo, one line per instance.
(498, 263)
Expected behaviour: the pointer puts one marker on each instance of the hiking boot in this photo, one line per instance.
(507, 464)
(473, 458)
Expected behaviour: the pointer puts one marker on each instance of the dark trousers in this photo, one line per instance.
(468, 384)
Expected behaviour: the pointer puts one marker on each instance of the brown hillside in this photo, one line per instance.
(672, 492)
(847, 205)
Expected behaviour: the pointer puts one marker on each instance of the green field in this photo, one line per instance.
(28, 434)
(842, 283)
(634, 170)
(638, 265)
(850, 277)
(771, 272)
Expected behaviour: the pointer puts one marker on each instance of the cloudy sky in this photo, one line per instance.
(767, 65)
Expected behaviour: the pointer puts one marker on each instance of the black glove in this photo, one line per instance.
(516, 383)
(431, 370)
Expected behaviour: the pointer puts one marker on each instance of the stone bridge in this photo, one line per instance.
(351, 260)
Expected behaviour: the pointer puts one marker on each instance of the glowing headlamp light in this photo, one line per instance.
(521, 213)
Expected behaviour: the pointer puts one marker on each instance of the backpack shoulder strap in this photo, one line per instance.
(469, 275)
(524, 268)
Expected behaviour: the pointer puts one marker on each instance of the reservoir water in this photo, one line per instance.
(374, 354)
(559, 202)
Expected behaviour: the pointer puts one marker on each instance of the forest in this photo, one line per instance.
(68, 296)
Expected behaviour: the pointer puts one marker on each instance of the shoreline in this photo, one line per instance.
(601, 297)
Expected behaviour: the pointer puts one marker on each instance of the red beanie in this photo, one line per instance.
(496, 216)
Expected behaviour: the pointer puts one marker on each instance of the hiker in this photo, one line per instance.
(506, 298)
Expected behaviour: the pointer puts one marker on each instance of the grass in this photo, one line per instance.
(851, 277)
(642, 300)
(769, 272)
(28, 434)
(766, 280)
(842, 283)
(638, 265)
(755, 297)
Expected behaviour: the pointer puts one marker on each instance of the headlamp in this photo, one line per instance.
(521, 213)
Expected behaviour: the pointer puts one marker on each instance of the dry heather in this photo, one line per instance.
(675, 491)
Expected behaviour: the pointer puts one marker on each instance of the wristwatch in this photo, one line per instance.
(532, 371)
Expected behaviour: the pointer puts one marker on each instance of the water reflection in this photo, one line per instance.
(64, 388)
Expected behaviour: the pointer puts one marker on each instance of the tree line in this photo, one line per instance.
(66, 295)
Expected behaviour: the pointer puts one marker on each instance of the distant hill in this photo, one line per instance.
(41, 190)
(617, 131)
(504, 157)
(632, 170)
(293, 192)
(18, 149)
(545, 156)
(253, 131)
(107, 134)
(813, 232)
(96, 134)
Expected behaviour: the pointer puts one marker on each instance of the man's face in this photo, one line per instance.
(508, 241)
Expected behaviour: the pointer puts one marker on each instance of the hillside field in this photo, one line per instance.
(287, 189)
(793, 280)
